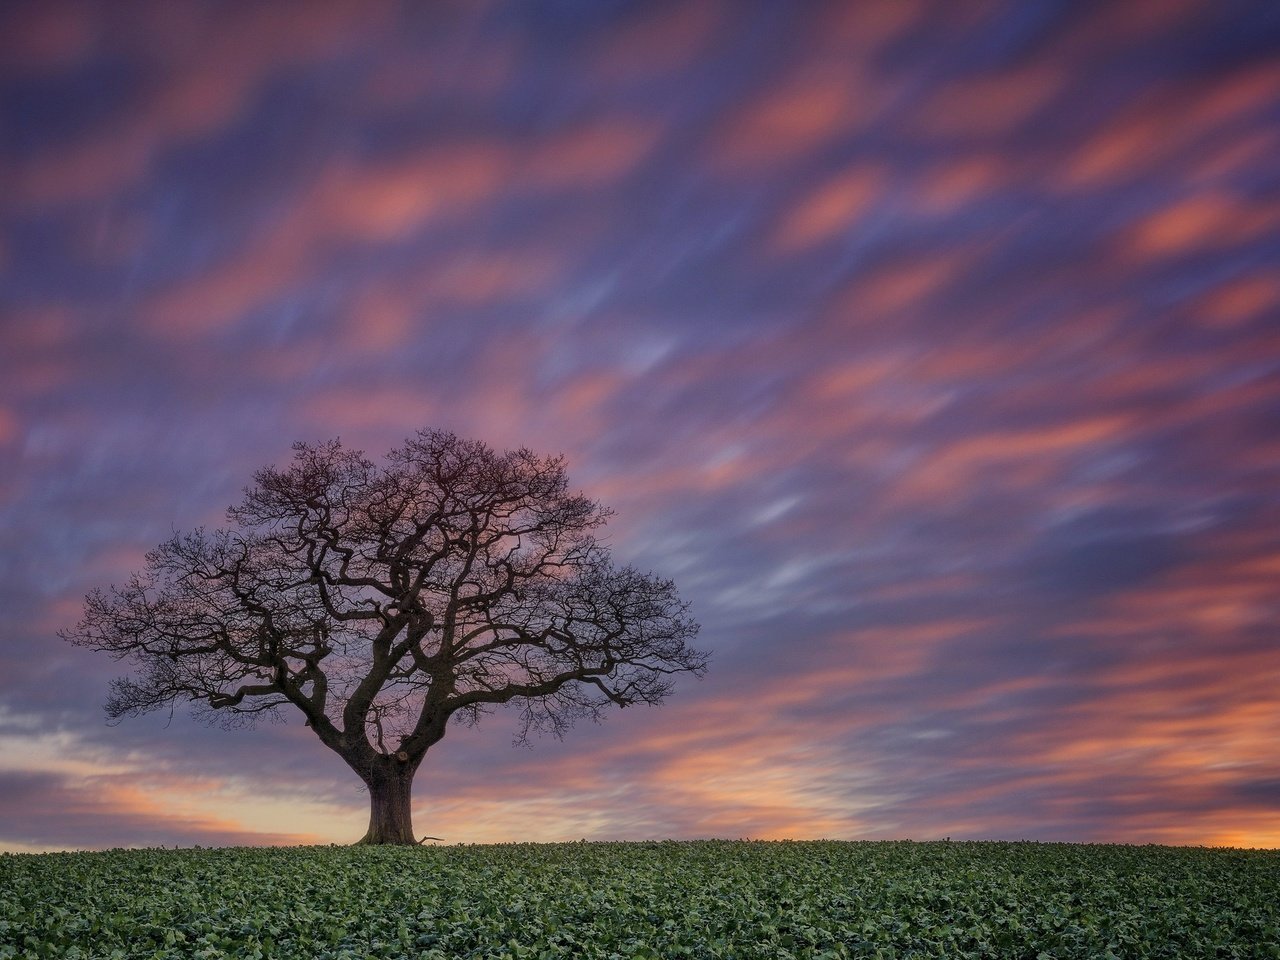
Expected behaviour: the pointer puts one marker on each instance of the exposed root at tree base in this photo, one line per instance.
(365, 841)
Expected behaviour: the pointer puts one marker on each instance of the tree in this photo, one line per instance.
(382, 601)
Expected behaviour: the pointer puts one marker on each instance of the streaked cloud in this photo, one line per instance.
(931, 348)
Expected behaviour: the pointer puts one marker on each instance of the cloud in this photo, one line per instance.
(42, 812)
(193, 74)
(932, 351)
(990, 105)
(829, 211)
(590, 156)
(800, 115)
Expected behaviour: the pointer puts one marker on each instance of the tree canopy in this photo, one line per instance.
(382, 600)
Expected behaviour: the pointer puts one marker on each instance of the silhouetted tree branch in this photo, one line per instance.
(380, 601)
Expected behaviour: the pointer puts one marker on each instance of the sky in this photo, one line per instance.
(932, 348)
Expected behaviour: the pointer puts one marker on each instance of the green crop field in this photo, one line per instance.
(820, 899)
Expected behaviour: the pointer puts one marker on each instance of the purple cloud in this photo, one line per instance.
(932, 351)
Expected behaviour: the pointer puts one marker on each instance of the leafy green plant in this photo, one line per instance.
(820, 900)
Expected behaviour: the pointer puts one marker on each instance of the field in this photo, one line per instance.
(703, 899)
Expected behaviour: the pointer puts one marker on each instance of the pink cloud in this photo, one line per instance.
(829, 210)
(658, 41)
(46, 37)
(795, 117)
(209, 68)
(1199, 222)
(590, 156)
(943, 386)
(990, 105)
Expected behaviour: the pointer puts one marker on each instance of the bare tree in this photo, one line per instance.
(381, 601)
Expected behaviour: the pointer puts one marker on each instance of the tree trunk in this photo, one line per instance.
(390, 783)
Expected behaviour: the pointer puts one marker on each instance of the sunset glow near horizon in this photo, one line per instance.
(933, 349)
